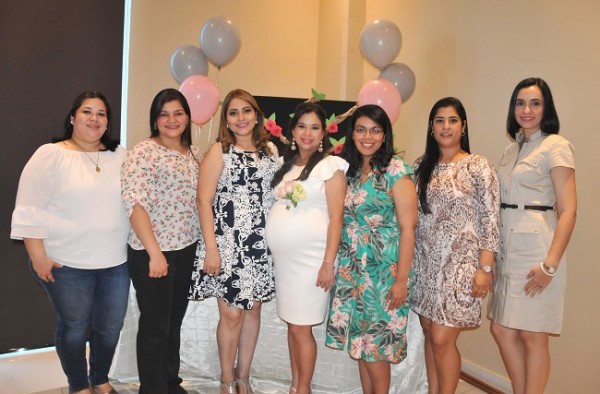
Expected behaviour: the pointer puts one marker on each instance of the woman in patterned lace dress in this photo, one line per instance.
(369, 311)
(232, 259)
(456, 237)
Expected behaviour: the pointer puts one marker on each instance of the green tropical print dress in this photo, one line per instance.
(368, 256)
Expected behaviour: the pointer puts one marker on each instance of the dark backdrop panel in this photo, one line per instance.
(50, 51)
(283, 107)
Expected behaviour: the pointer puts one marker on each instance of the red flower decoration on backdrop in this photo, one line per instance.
(276, 131)
(269, 123)
(338, 145)
(332, 127)
(272, 127)
(338, 149)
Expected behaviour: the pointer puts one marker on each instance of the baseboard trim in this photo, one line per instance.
(483, 379)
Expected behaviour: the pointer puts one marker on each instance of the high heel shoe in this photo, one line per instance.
(228, 386)
(244, 383)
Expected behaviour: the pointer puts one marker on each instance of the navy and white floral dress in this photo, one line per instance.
(242, 201)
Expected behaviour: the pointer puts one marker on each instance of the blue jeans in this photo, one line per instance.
(89, 305)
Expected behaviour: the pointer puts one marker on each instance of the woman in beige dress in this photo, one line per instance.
(537, 216)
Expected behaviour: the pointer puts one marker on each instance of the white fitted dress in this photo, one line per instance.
(296, 237)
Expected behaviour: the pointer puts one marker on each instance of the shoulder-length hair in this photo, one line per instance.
(428, 161)
(290, 155)
(260, 137)
(549, 124)
(106, 140)
(166, 96)
(381, 159)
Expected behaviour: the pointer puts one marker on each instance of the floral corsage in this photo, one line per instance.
(291, 193)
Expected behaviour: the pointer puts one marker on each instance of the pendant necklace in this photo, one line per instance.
(96, 163)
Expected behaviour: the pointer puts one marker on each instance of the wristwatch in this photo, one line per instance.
(485, 268)
(550, 269)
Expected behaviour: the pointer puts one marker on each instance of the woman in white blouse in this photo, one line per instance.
(70, 216)
(158, 182)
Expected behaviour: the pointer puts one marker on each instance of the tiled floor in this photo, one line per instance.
(40, 373)
(463, 388)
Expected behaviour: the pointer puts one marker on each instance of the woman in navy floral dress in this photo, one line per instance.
(232, 259)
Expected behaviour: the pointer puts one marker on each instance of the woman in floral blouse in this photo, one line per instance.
(369, 310)
(158, 182)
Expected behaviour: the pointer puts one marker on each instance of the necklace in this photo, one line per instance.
(96, 163)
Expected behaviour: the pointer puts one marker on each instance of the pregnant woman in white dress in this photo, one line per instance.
(303, 233)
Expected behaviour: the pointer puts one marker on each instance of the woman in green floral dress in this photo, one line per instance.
(369, 309)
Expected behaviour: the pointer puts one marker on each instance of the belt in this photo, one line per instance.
(531, 207)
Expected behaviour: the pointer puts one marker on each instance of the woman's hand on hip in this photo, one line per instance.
(43, 268)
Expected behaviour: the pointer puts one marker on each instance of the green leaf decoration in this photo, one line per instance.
(330, 119)
(335, 142)
(317, 95)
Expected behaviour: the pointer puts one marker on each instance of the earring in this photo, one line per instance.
(432, 133)
(293, 145)
(463, 133)
(155, 126)
(227, 125)
(321, 146)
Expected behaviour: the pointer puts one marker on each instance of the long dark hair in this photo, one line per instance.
(427, 162)
(549, 124)
(290, 155)
(163, 97)
(381, 159)
(106, 140)
(260, 137)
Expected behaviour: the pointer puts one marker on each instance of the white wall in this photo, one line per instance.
(475, 50)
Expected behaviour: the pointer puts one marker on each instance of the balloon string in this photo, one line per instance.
(209, 131)
(212, 117)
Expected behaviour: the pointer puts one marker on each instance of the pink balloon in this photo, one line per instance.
(383, 93)
(202, 96)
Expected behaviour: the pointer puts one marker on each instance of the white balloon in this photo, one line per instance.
(402, 77)
(219, 40)
(380, 42)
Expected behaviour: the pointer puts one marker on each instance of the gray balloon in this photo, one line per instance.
(188, 60)
(219, 40)
(380, 42)
(402, 77)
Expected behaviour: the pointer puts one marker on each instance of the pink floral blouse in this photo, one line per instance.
(163, 182)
